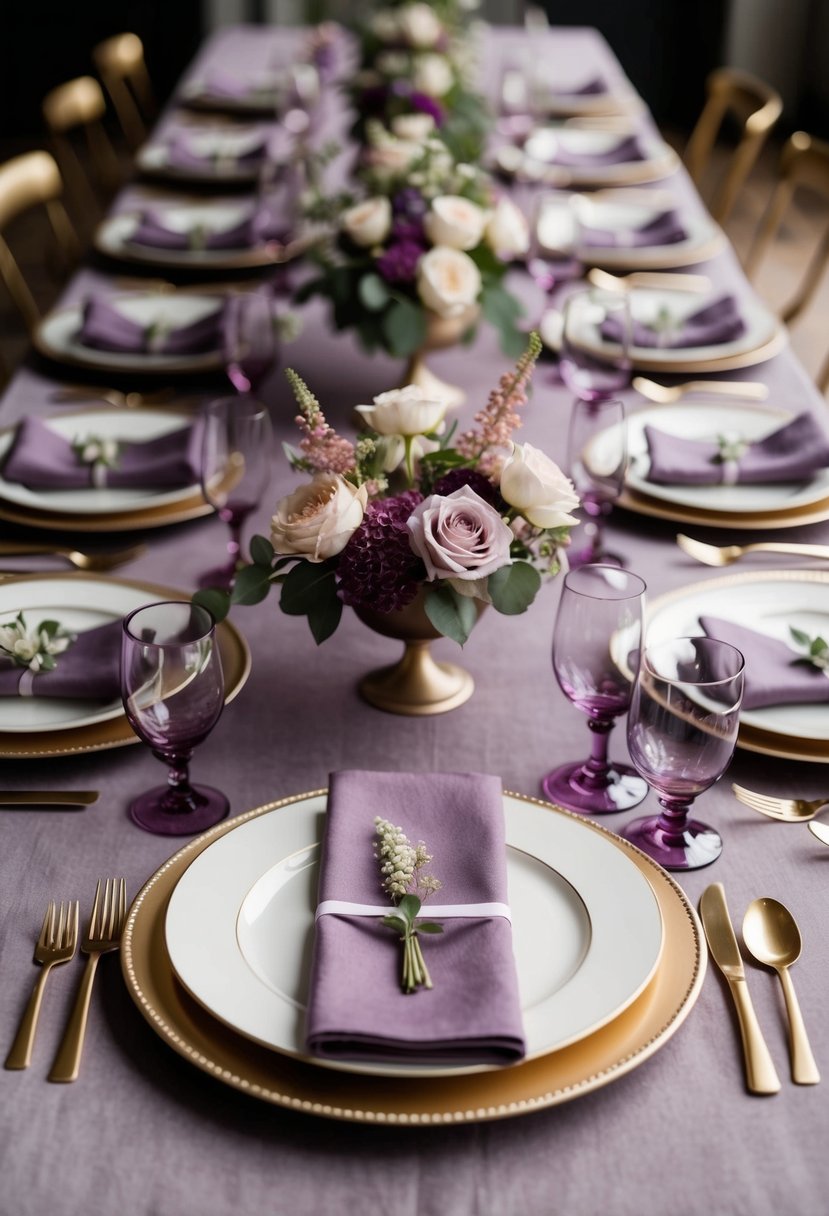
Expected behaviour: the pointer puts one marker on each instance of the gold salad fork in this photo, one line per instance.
(57, 944)
(104, 560)
(109, 911)
(786, 810)
(667, 394)
(724, 555)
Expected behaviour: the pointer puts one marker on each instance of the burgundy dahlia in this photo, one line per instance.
(483, 487)
(377, 568)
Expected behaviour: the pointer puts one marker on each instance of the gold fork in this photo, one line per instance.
(785, 810)
(57, 944)
(106, 559)
(106, 923)
(648, 279)
(666, 394)
(724, 555)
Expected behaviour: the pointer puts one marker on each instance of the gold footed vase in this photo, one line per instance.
(417, 685)
(441, 332)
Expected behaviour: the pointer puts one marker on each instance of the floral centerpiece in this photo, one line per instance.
(412, 531)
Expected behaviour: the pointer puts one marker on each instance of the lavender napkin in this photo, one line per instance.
(153, 230)
(772, 674)
(42, 459)
(222, 84)
(356, 1008)
(184, 153)
(626, 150)
(105, 327)
(795, 452)
(89, 670)
(719, 321)
(590, 88)
(664, 229)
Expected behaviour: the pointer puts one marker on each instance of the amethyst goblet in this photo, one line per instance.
(173, 693)
(249, 339)
(595, 658)
(592, 367)
(550, 258)
(596, 462)
(682, 730)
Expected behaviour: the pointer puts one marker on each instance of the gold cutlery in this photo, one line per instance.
(109, 911)
(57, 944)
(820, 831)
(106, 559)
(113, 396)
(787, 810)
(71, 799)
(761, 1075)
(648, 279)
(667, 394)
(771, 935)
(724, 555)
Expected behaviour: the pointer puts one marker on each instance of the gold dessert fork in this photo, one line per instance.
(104, 560)
(724, 555)
(57, 944)
(786, 810)
(667, 394)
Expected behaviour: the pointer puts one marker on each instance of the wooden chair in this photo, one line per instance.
(121, 66)
(756, 107)
(29, 181)
(804, 164)
(80, 106)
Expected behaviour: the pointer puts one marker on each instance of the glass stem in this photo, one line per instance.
(595, 771)
(234, 545)
(180, 797)
(673, 818)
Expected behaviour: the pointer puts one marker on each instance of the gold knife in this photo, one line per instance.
(761, 1074)
(71, 799)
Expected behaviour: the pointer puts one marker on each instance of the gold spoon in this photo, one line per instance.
(773, 938)
(724, 555)
(667, 394)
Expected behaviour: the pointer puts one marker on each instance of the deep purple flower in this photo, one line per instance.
(427, 105)
(408, 230)
(483, 487)
(400, 87)
(399, 263)
(377, 568)
(409, 202)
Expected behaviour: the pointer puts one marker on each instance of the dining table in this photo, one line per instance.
(145, 1130)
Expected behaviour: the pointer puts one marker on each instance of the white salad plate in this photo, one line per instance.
(536, 161)
(218, 149)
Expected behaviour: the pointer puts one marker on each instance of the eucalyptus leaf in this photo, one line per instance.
(252, 585)
(304, 584)
(324, 616)
(428, 926)
(396, 922)
(261, 550)
(409, 906)
(800, 637)
(404, 327)
(513, 588)
(215, 601)
(451, 614)
(373, 292)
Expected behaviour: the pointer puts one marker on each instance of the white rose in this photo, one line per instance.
(385, 26)
(455, 221)
(536, 486)
(318, 520)
(448, 281)
(403, 411)
(413, 127)
(432, 75)
(419, 25)
(393, 449)
(393, 156)
(368, 223)
(507, 230)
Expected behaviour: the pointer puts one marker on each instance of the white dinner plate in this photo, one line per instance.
(122, 425)
(587, 930)
(535, 161)
(768, 603)
(57, 335)
(219, 145)
(78, 606)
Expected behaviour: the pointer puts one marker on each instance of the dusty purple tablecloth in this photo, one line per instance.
(145, 1133)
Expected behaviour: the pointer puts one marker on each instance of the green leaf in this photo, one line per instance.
(216, 602)
(800, 637)
(50, 628)
(373, 292)
(513, 341)
(404, 327)
(396, 922)
(252, 585)
(304, 584)
(428, 926)
(818, 646)
(500, 307)
(513, 588)
(452, 614)
(444, 459)
(261, 550)
(324, 616)
(409, 906)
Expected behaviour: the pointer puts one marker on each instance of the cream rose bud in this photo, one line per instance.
(507, 231)
(454, 221)
(459, 536)
(536, 486)
(419, 25)
(448, 281)
(432, 74)
(368, 223)
(413, 127)
(318, 520)
(403, 411)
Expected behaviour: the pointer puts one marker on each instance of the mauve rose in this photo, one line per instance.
(459, 536)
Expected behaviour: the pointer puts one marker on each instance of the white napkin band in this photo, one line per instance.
(342, 907)
(25, 687)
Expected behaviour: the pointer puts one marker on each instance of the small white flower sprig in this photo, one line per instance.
(816, 650)
(97, 449)
(34, 648)
(401, 865)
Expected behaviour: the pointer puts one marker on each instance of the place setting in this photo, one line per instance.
(212, 153)
(568, 155)
(527, 93)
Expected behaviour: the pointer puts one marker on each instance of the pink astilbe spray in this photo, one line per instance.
(488, 443)
(323, 450)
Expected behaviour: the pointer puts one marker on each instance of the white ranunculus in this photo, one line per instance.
(432, 74)
(419, 25)
(507, 231)
(536, 486)
(448, 281)
(403, 411)
(454, 221)
(413, 127)
(368, 223)
(318, 520)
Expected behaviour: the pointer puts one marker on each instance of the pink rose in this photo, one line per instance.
(459, 536)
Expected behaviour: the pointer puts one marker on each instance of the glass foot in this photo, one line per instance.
(567, 787)
(209, 807)
(694, 846)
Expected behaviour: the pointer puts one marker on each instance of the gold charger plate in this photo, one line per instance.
(117, 732)
(794, 517)
(747, 358)
(589, 1064)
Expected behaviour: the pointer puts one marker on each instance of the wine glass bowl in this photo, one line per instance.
(173, 693)
(249, 339)
(597, 462)
(595, 658)
(682, 730)
(550, 258)
(591, 370)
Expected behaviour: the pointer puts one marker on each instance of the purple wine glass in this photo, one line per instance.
(173, 693)
(682, 730)
(235, 469)
(593, 365)
(595, 658)
(550, 258)
(596, 462)
(249, 339)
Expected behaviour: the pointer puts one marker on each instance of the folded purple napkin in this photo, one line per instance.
(223, 84)
(89, 670)
(42, 459)
(356, 1008)
(590, 88)
(626, 150)
(105, 327)
(795, 452)
(717, 322)
(184, 153)
(772, 674)
(664, 229)
(153, 230)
